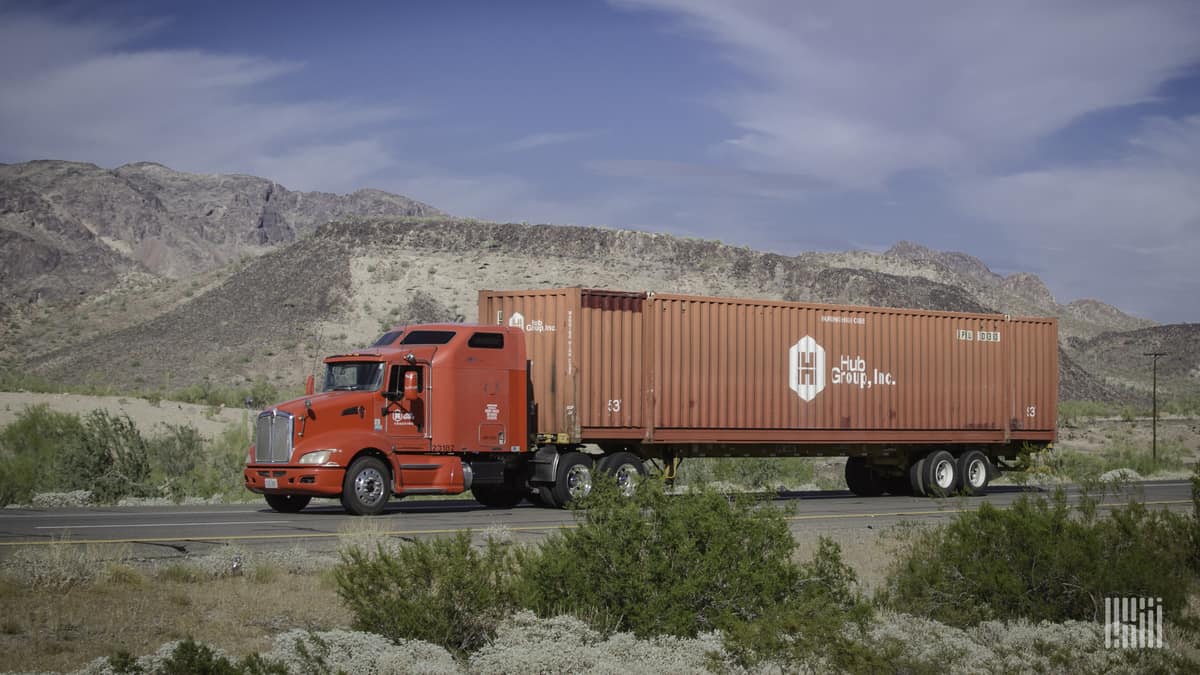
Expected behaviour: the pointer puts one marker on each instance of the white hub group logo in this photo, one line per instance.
(806, 375)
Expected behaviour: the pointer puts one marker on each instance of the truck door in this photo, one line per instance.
(407, 406)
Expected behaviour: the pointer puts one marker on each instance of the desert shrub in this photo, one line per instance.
(762, 473)
(655, 564)
(1042, 560)
(32, 449)
(205, 392)
(174, 456)
(112, 459)
(442, 591)
(422, 307)
(1072, 412)
(1120, 452)
(825, 618)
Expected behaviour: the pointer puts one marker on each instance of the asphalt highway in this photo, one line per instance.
(172, 530)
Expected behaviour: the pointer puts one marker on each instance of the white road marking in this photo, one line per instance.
(123, 525)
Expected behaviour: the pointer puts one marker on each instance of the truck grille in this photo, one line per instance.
(273, 437)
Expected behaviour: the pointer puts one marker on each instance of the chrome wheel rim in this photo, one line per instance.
(579, 481)
(368, 486)
(627, 476)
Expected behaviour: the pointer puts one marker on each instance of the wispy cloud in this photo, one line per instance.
(856, 92)
(80, 94)
(543, 139)
(1110, 230)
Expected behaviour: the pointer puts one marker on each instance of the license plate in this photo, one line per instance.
(271, 483)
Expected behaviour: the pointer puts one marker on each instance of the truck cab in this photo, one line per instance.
(430, 409)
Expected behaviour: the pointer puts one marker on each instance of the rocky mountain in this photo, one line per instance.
(151, 279)
(69, 229)
(1121, 358)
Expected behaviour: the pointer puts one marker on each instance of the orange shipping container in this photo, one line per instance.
(612, 367)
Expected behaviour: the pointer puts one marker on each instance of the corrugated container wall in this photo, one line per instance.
(682, 369)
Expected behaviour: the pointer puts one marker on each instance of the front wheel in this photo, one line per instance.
(287, 503)
(365, 490)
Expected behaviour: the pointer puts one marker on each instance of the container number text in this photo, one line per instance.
(978, 336)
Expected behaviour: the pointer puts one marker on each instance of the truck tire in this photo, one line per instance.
(916, 477)
(502, 496)
(287, 503)
(574, 479)
(862, 479)
(974, 472)
(939, 474)
(366, 489)
(627, 468)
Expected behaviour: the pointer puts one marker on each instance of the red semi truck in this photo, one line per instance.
(554, 385)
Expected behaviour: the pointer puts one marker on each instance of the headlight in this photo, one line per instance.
(318, 457)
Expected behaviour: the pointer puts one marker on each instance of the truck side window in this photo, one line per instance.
(487, 341)
(396, 380)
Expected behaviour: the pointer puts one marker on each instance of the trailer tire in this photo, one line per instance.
(862, 479)
(574, 479)
(502, 496)
(916, 477)
(627, 468)
(939, 474)
(287, 503)
(974, 471)
(366, 489)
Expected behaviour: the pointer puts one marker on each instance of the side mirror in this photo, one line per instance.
(309, 386)
(410, 386)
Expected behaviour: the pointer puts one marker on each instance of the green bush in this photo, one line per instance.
(46, 451)
(760, 473)
(1072, 412)
(32, 452)
(442, 591)
(1043, 560)
(812, 621)
(655, 564)
(113, 459)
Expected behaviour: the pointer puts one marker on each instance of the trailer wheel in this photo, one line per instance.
(862, 479)
(503, 496)
(574, 479)
(627, 468)
(916, 477)
(287, 503)
(974, 471)
(939, 474)
(365, 490)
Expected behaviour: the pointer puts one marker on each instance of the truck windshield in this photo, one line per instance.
(353, 376)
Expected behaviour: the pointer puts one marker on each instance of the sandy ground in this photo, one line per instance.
(148, 417)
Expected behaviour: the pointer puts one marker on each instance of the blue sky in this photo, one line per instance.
(1059, 138)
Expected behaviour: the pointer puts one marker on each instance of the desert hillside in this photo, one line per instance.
(185, 279)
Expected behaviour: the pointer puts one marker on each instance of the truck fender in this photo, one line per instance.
(545, 465)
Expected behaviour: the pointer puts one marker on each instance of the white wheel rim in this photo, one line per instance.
(977, 473)
(943, 474)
